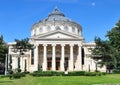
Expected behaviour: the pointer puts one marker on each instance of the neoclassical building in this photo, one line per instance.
(58, 46)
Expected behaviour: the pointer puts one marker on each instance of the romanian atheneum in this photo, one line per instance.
(58, 46)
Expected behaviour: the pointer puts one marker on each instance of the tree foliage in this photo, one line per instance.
(3, 49)
(114, 39)
(102, 53)
(21, 46)
(107, 52)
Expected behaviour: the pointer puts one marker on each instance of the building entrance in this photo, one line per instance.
(49, 63)
(57, 63)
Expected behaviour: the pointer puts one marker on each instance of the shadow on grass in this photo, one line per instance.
(6, 81)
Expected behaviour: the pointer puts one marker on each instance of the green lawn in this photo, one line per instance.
(63, 80)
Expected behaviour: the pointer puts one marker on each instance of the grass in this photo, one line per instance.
(63, 80)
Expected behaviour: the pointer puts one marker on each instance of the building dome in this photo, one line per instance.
(56, 20)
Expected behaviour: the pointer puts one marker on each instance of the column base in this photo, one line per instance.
(44, 68)
(78, 66)
(71, 67)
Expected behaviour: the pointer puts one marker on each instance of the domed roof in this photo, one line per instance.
(56, 15)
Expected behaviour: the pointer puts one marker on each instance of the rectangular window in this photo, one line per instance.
(32, 56)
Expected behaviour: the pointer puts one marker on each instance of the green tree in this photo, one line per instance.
(114, 38)
(22, 46)
(102, 53)
(107, 52)
(3, 49)
(3, 52)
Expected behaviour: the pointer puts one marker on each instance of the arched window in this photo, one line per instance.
(34, 32)
(57, 28)
(73, 29)
(48, 28)
(40, 29)
(66, 28)
(79, 32)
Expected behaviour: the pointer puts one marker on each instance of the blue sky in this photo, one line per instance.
(95, 16)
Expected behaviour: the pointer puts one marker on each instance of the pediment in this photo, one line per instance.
(58, 34)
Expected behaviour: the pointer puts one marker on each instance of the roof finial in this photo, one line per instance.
(56, 9)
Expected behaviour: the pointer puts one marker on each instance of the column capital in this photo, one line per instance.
(36, 44)
(53, 45)
(44, 45)
(71, 45)
(62, 45)
(80, 45)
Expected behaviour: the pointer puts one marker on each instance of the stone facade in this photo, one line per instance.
(58, 46)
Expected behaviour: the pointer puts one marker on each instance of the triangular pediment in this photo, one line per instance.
(58, 34)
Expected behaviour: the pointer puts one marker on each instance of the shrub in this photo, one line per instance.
(47, 73)
(93, 73)
(75, 73)
(26, 72)
(22, 74)
(116, 71)
(39, 73)
(16, 75)
(18, 70)
(103, 73)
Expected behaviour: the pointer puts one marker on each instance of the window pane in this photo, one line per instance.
(48, 28)
(34, 32)
(66, 28)
(73, 29)
(58, 28)
(40, 29)
(32, 56)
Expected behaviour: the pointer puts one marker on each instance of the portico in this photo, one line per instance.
(58, 57)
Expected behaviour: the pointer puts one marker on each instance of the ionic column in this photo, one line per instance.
(36, 57)
(62, 58)
(79, 58)
(53, 58)
(44, 58)
(71, 66)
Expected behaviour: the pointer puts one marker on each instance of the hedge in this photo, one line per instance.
(75, 73)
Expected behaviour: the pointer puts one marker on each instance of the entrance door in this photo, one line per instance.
(57, 63)
(49, 65)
